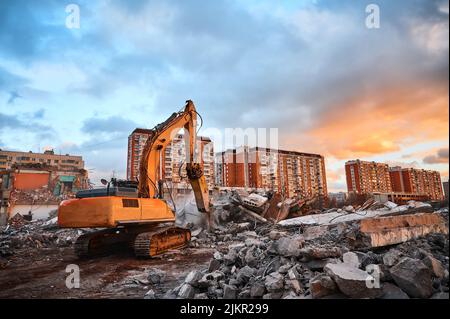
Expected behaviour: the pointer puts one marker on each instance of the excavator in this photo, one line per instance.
(135, 214)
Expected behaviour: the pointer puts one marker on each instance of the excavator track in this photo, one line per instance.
(146, 241)
(156, 242)
(101, 242)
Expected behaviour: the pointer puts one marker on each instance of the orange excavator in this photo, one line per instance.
(136, 214)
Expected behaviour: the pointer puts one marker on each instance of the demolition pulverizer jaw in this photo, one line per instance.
(194, 171)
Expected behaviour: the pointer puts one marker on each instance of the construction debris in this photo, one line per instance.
(384, 251)
(20, 234)
(362, 252)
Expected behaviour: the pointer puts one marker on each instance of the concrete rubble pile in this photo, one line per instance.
(41, 195)
(377, 250)
(20, 233)
(263, 207)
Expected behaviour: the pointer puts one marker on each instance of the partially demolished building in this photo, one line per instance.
(39, 183)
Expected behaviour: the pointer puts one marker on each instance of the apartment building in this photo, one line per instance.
(288, 172)
(136, 144)
(372, 177)
(417, 181)
(367, 177)
(48, 158)
(173, 158)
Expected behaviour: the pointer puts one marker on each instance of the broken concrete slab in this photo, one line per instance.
(352, 282)
(413, 277)
(391, 230)
(331, 218)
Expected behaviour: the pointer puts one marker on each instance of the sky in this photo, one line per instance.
(311, 69)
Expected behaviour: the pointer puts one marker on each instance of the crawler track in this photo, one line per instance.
(147, 241)
(156, 242)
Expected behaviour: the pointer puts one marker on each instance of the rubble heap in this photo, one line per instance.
(262, 206)
(42, 195)
(280, 264)
(332, 254)
(20, 233)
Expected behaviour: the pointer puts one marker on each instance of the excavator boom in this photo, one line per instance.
(161, 136)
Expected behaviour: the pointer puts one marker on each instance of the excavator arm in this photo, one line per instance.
(150, 173)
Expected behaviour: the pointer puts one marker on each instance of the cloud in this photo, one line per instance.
(413, 164)
(112, 124)
(441, 157)
(310, 68)
(13, 95)
(8, 80)
(14, 122)
(39, 114)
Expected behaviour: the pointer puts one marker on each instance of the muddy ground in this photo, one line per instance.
(42, 273)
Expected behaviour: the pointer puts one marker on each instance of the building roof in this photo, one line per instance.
(272, 150)
(142, 130)
(46, 153)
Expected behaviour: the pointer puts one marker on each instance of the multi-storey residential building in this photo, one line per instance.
(49, 158)
(173, 158)
(417, 181)
(174, 161)
(367, 177)
(371, 177)
(290, 173)
(136, 143)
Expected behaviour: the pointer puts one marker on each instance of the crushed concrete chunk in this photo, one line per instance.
(391, 257)
(257, 290)
(352, 259)
(274, 282)
(229, 292)
(186, 292)
(287, 246)
(320, 252)
(193, 278)
(352, 282)
(391, 291)
(156, 276)
(435, 266)
(413, 277)
(321, 286)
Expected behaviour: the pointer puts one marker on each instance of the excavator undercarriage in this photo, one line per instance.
(146, 240)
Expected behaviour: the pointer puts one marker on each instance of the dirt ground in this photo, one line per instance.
(42, 273)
